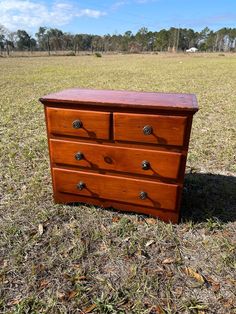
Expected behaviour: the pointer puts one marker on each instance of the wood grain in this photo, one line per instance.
(124, 99)
(167, 130)
(114, 146)
(116, 158)
(165, 215)
(122, 189)
(96, 125)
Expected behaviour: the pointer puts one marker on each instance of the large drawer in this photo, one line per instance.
(79, 123)
(156, 129)
(115, 158)
(134, 191)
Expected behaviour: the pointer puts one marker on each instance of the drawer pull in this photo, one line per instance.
(147, 130)
(81, 185)
(77, 124)
(143, 195)
(79, 156)
(145, 165)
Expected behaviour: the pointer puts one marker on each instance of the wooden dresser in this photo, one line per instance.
(125, 150)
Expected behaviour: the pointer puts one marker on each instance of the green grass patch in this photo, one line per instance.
(101, 261)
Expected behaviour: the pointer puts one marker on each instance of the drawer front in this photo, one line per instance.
(115, 158)
(166, 130)
(88, 124)
(141, 192)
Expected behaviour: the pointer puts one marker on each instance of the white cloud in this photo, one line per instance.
(145, 1)
(142, 1)
(91, 13)
(121, 3)
(29, 14)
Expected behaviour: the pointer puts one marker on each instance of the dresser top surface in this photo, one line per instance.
(124, 99)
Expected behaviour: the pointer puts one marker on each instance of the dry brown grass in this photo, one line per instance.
(78, 259)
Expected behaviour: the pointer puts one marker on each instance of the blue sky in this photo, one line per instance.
(116, 16)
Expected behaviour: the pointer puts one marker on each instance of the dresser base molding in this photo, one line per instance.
(165, 215)
(119, 149)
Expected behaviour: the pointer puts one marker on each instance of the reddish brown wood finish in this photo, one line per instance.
(114, 147)
(94, 124)
(116, 158)
(167, 130)
(165, 215)
(115, 188)
(124, 99)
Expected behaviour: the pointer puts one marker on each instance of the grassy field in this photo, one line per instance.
(62, 259)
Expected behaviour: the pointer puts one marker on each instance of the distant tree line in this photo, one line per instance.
(171, 40)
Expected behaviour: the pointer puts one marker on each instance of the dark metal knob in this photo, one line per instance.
(77, 124)
(143, 195)
(145, 165)
(79, 156)
(81, 185)
(147, 130)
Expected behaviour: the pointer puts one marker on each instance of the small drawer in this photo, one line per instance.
(126, 190)
(157, 129)
(85, 124)
(116, 158)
